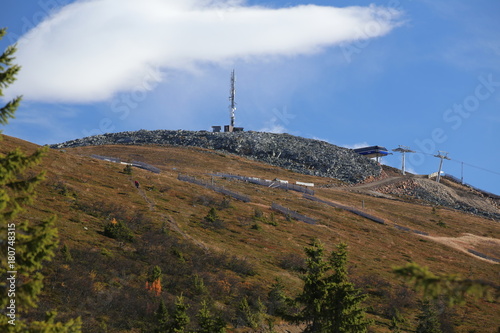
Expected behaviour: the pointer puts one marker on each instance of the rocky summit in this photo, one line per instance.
(306, 156)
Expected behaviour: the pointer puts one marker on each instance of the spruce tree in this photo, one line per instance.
(180, 318)
(428, 321)
(343, 311)
(161, 315)
(245, 315)
(278, 301)
(396, 322)
(330, 302)
(32, 243)
(395, 325)
(450, 286)
(205, 319)
(8, 72)
(207, 322)
(314, 292)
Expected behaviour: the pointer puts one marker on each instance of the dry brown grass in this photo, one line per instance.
(74, 177)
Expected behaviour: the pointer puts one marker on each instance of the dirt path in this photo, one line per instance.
(377, 183)
(141, 192)
(171, 222)
(174, 226)
(470, 242)
(258, 205)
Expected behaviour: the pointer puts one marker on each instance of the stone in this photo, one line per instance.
(306, 156)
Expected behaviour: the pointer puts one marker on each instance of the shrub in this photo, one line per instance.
(102, 209)
(66, 253)
(204, 200)
(397, 300)
(118, 230)
(259, 215)
(61, 188)
(212, 220)
(441, 223)
(153, 283)
(128, 169)
(238, 265)
(292, 262)
(256, 226)
(272, 220)
(226, 203)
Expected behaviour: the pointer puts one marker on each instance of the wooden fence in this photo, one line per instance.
(268, 183)
(217, 189)
(350, 209)
(293, 214)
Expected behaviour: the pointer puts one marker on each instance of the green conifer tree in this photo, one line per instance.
(343, 312)
(428, 321)
(452, 287)
(396, 322)
(161, 315)
(205, 319)
(330, 302)
(260, 315)
(128, 169)
(278, 301)
(180, 318)
(212, 215)
(395, 325)
(207, 322)
(8, 72)
(245, 315)
(314, 292)
(155, 274)
(199, 285)
(32, 243)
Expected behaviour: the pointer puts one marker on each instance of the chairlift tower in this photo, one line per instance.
(403, 150)
(443, 156)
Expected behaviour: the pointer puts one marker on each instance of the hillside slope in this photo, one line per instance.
(104, 279)
(447, 193)
(307, 156)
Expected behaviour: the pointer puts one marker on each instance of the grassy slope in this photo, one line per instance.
(106, 272)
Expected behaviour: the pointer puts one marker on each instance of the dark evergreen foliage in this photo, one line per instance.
(33, 243)
(428, 321)
(118, 230)
(330, 302)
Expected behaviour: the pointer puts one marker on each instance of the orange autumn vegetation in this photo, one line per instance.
(155, 287)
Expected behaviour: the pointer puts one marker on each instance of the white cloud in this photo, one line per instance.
(42, 125)
(274, 128)
(410, 170)
(356, 145)
(320, 139)
(90, 50)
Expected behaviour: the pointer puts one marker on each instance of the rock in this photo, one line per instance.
(306, 156)
(438, 194)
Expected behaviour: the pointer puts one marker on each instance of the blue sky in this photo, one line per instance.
(421, 73)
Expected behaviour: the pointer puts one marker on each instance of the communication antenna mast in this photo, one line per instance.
(232, 106)
(443, 156)
(403, 150)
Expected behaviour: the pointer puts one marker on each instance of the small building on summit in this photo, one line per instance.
(373, 151)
